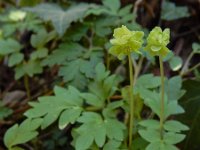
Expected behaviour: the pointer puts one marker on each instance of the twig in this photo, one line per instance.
(136, 5)
(187, 32)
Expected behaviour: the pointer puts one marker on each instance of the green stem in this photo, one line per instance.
(191, 69)
(108, 100)
(26, 83)
(137, 69)
(162, 97)
(93, 108)
(131, 102)
(107, 61)
(185, 66)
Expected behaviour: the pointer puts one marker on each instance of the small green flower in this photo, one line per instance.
(157, 42)
(125, 42)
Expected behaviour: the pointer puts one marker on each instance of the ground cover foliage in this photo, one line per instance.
(66, 77)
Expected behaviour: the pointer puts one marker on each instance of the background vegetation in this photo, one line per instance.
(44, 43)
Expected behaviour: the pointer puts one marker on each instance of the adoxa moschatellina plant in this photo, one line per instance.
(156, 46)
(125, 43)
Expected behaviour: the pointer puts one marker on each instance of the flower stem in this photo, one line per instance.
(131, 102)
(162, 97)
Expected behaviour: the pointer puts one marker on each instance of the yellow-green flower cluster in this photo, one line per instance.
(125, 42)
(157, 42)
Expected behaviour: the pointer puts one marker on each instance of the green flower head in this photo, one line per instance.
(157, 42)
(125, 42)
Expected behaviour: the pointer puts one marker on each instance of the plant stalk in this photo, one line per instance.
(190, 69)
(26, 84)
(131, 102)
(162, 97)
(107, 61)
(186, 65)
